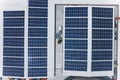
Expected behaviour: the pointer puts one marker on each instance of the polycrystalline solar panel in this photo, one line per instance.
(38, 12)
(76, 33)
(14, 42)
(37, 52)
(101, 44)
(102, 66)
(37, 72)
(13, 48)
(102, 23)
(38, 22)
(19, 62)
(102, 35)
(37, 38)
(14, 22)
(10, 32)
(75, 44)
(102, 12)
(75, 55)
(76, 22)
(75, 38)
(18, 52)
(37, 62)
(37, 32)
(13, 13)
(76, 12)
(37, 42)
(12, 71)
(38, 3)
(76, 65)
(102, 55)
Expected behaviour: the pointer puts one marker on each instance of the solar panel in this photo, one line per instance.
(13, 14)
(13, 22)
(38, 12)
(12, 71)
(37, 72)
(75, 55)
(76, 22)
(76, 12)
(102, 12)
(102, 55)
(102, 39)
(102, 34)
(102, 66)
(38, 22)
(76, 65)
(102, 23)
(37, 62)
(37, 52)
(37, 38)
(76, 33)
(19, 62)
(18, 52)
(38, 3)
(75, 44)
(75, 38)
(88, 40)
(13, 47)
(37, 32)
(14, 32)
(19, 42)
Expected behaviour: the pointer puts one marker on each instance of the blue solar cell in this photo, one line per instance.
(75, 44)
(37, 52)
(102, 34)
(37, 22)
(10, 71)
(14, 42)
(8, 22)
(37, 62)
(38, 12)
(102, 12)
(37, 42)
(76, 33)
(75, 55)
(35, 72)
(19, 52)
(12, 32)
(102, 66)
(13, 61)
(37, 32)
(101, 44)
(101, 55)
(13, 13)
(38, 3)
(102, 23)
(75, 66)
(76, 12)
(76, 22)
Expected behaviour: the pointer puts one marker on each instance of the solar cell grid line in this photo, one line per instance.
(37, 38)
(75, 38)
(13, 47)
(102, 39)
